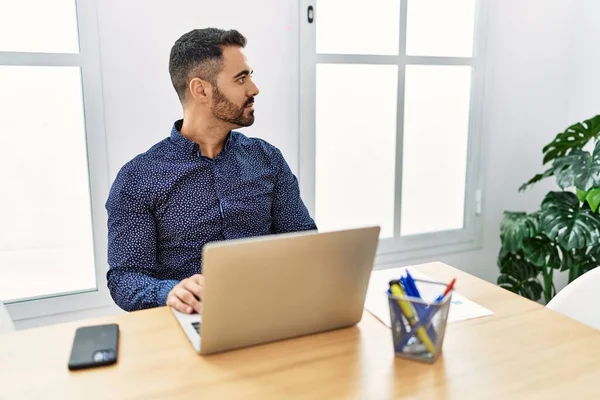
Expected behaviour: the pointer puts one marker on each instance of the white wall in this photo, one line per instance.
(140, 104)
(585, 61)
(534, 90)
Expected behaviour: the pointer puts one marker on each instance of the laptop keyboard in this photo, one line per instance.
(196, 326)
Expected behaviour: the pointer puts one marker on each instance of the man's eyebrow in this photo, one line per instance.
(245, 72)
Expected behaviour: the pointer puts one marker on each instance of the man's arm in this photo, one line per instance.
(289, 212)
(132, 246)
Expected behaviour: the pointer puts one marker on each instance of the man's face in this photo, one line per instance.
(233, 96)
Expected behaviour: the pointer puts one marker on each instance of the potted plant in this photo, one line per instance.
(564, 234)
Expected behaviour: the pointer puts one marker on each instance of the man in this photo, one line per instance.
(204, 183)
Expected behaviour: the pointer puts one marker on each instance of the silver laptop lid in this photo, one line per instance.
(280, 286)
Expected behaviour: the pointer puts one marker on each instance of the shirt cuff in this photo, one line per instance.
(164, 287)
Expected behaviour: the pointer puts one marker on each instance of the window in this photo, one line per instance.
(390, 95)
(52, 251)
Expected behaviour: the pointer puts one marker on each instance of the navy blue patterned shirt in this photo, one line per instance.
(168, 202)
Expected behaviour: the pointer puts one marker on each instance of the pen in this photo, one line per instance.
(448, 289)
(412, 284)
(407, 310)
(410, 287)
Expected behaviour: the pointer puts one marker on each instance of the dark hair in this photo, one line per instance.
(199, 53)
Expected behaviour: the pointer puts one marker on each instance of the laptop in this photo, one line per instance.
(275, 287)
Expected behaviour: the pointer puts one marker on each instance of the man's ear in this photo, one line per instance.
(199, 89)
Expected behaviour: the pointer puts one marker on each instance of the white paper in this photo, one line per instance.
(377, 304)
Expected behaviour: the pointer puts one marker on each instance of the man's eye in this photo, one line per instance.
(242, 79)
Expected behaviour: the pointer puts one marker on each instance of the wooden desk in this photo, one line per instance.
(523, 351)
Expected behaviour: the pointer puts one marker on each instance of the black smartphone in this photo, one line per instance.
(94, 346)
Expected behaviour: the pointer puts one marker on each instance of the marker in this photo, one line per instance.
(408, 312)
(410, 288)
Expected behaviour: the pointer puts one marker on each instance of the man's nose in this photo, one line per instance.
(254, 91)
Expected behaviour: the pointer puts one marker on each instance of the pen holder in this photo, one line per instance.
(419, 324)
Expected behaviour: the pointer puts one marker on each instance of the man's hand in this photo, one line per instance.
(186, 296)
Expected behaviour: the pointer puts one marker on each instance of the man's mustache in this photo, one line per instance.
(249, 101)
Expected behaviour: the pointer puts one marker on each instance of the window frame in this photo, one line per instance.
(399, 248)
(88, 59)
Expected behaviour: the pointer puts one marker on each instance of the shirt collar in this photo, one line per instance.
(187, 145)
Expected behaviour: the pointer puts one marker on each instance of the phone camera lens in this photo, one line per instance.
(103, 355)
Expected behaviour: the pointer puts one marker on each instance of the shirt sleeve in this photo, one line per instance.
(289, 213)
(132, 250)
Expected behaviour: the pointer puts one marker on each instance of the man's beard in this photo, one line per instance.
(227, 111)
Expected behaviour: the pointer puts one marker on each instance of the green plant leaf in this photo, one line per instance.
(580, 169)
(593, 199)
(574, 271)
(568, 259)
(583, 261)
(592, 252)
(574, 137)
(519, 276)
(587, 260)
(564, 220)
(549, 172)
(580, 261)
(581, 194)
(542, 252)
(516, 227)
(586, 264)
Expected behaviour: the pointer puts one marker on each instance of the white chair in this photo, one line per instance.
(6, 323)
(579, 299)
